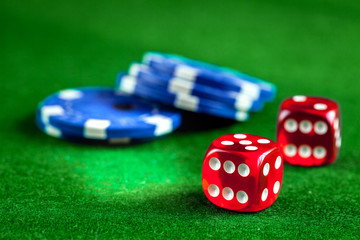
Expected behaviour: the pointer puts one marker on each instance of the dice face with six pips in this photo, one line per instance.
(308, 130)
(242, 172)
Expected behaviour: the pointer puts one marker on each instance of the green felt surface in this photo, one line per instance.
(53, 189)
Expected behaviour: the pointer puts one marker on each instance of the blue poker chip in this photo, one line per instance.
(98, 113)
(147, 76)
(130, 85)
(211, 75)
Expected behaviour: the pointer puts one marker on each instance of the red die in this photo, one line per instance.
(308, 130)
(242, 172)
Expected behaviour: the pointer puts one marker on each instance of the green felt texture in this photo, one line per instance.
(53, 189)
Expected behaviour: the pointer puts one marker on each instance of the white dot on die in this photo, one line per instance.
(263, 141)
(290, 150)
(336, 124)
(264, 194)
(229, 167)
(290, 125)
(245, 142)
(337, 133)
(213, 190)
(242, 197)
(70, 94)
(319, 152)
(266, 169)
(244, 170)
(299, 98)
(276, 187)
(251, 148)
(278, 162)
(214, 163)
(304, 151)
(320, 127)
(320, 106)
(239, 136)
(305, 126)
(228, 143)
(338, 142)
(228, 193)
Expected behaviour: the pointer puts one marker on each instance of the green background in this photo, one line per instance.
(51, 188)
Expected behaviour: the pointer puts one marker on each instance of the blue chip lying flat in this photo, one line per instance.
(97, 113)
(131, 85)
(211, 75)
(147, 76)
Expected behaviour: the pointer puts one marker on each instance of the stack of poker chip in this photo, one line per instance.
(196, 86)
(145, 103)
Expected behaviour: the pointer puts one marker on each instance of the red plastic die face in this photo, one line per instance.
(242, 172)
(308, 130)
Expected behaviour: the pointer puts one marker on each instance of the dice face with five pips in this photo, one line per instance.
(308, 130)
(242, 172)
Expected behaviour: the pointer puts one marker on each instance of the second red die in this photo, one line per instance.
(242, 172)
(308, 130)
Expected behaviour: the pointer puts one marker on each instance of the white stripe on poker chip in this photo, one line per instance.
(250, 89)
(96, 128)
(135, 69)
(241, 116)
(186, 72)
(127, 84)
(163, 125)
(243, 102)
(52, 131)
(177, 85)
(186, 102)
(50, 110)
(70, 94)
